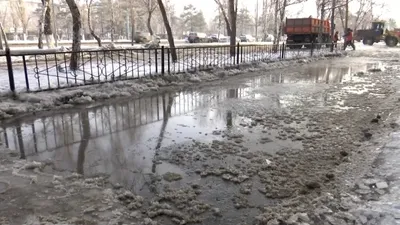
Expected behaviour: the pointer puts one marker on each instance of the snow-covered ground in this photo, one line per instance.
(51, 70)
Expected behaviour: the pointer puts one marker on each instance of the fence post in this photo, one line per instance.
(237, 53)
(241, 54)
(162, 60)
(169, 60)
(312, 48)
(283, 51)
(156, 56)
(10, 69)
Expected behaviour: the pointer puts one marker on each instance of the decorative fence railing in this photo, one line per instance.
(49, 70)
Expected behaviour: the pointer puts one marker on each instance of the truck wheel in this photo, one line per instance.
(391, 41)
(368, 42)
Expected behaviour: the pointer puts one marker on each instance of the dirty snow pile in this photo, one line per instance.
(65, 98)
(72, 196)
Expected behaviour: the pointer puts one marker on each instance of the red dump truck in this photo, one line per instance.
(305, 30)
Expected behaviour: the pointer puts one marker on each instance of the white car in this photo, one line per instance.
(269, 38)
(247, 38)
(227, 39)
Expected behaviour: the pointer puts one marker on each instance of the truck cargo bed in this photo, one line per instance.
(306, 26)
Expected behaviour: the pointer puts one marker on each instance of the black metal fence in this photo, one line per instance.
(48, 70)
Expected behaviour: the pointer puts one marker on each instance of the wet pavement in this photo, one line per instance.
(133, 129)
(137, 142)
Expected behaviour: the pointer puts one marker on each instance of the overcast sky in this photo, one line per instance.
(208, 7)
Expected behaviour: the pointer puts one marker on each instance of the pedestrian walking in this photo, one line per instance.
(349, 39)
(335, 39)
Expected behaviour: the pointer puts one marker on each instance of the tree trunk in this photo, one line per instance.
(276, 38)
(342, 19)
(169, 31)
(54, 25)
(48, 26)
(167, 114)
(149, 23)
(112, 21)
(264, 19)
(227, 23)
(228, 27)
(133, 14)
(1, 37)
(256, 21)
(4, 37)
(90, 23)
(76, 28)
(283, 15)
(232, 16)
(85, 122)
(226, 19)
(321, 26)
(42, 23)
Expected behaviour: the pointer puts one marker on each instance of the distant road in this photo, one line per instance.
(86, 43)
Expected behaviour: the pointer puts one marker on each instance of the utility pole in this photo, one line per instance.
(346, 24)
(333, 22)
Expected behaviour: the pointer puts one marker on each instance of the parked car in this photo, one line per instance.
(227, 39)
(269, 38)
(195, 37)
(213, 37)
(247, 38)
(142, 37)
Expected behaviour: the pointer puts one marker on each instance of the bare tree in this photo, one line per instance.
(264, 19)
(150, 8)
(169, 31)
(112, 20)
(76, 28)
(48, 25)
(3, 36)
(322, 18)
(45, 25)
(224, 14)
(19, 9)
(364, 12)
(14, 17)
(41, 23)
(90, 25)
(133, 24)
(232, 7)
(85, 124)
(279, 16)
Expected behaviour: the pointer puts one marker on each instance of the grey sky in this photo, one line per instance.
(306, 9)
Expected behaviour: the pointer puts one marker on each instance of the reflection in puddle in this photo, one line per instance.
(121, 139)
(328, 74)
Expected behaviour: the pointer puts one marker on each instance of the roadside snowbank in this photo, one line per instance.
(22, 103)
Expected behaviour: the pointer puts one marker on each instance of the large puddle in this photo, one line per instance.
(120, 139)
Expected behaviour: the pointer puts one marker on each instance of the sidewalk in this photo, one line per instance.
(380, 188)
